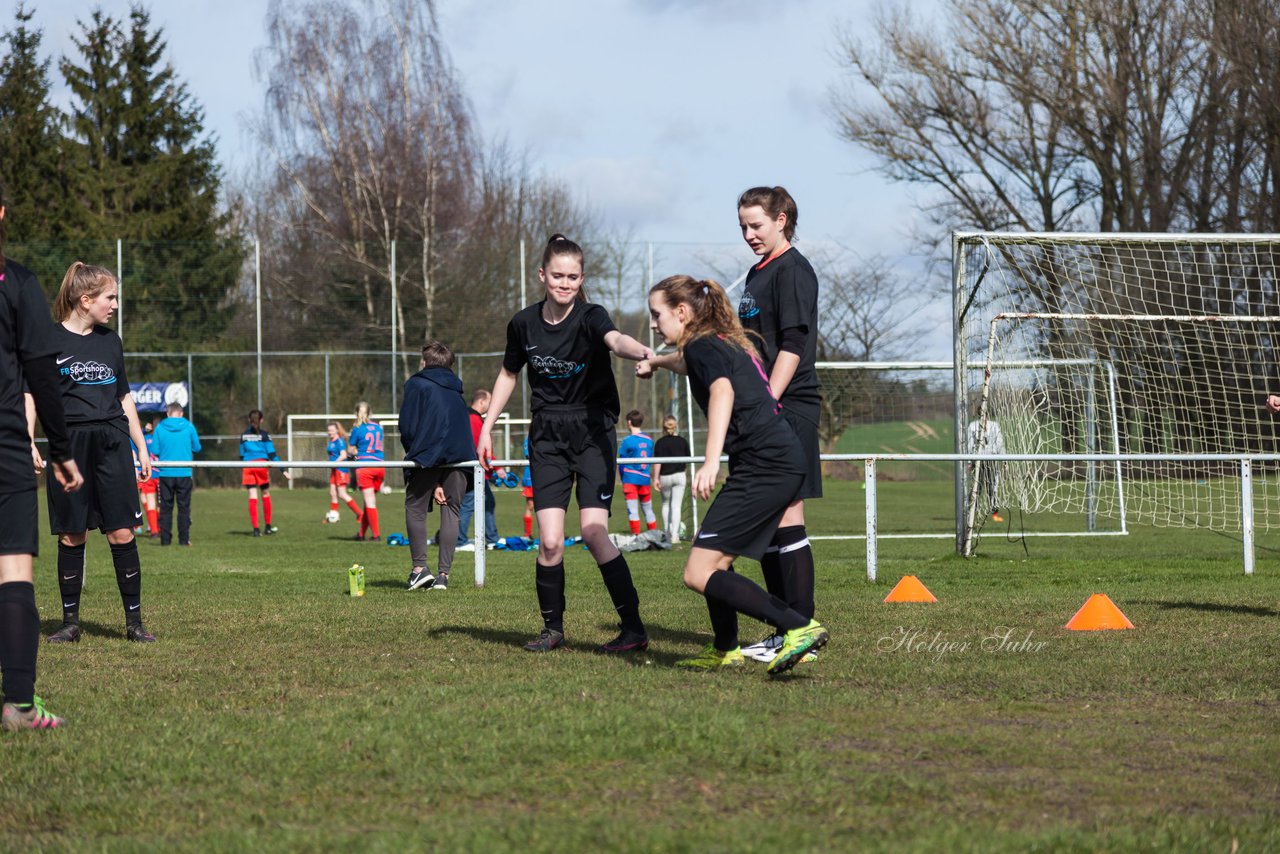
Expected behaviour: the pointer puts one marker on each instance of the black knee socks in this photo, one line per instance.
(617, 578)
(19, 640)
(70, 580)
(724, 623)
(550, 584)
(795, 567)
(129, 579)
(746, 597)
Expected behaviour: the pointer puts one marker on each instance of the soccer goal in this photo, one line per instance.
(1160, 345)
(909, 408)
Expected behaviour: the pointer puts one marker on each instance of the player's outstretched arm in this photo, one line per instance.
(626, 346)
(719, 408)
(672, 361)
(499, 397)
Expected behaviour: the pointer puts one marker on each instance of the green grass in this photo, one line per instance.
(277, 713)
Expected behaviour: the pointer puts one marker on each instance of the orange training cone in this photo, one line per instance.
(1097, 614)
(909, 589)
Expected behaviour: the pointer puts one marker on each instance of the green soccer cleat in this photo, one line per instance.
(711, 658)
(798, 643)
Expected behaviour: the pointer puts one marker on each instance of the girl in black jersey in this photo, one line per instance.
(767, 468)
(101, 420)
(566, 342)
(25, 348)
(780, 305)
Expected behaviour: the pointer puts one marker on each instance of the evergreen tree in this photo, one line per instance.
(148, 175)
(31, 150)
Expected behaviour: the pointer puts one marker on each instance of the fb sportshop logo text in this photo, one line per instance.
(89, 373)
(937, 645)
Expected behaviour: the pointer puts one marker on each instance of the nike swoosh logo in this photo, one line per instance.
(67, 577)
(707, 536)
(135, 607)
(60, 361)
(138, 515)
(131, 574)
(534, 347)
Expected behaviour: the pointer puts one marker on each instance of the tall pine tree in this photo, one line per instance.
(31, 147)
(147, 174)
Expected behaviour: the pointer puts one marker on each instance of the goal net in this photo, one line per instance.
(1168, 343)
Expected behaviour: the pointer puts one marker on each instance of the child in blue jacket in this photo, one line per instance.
(435, 429)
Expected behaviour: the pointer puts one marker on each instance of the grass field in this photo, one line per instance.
(278, 713)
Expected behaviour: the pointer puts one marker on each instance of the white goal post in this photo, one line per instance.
(1188, 323)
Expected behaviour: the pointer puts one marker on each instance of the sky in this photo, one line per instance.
(657, 113)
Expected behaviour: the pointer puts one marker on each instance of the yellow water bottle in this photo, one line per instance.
(355, 580)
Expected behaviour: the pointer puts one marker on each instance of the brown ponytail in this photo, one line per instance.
(712, 313)
(81, 280)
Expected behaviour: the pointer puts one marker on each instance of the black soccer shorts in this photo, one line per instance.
(744, 514)
(568, 444)
(20, 532)
(108, 501)
(807, 431)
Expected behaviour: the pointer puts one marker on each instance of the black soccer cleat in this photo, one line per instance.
(625, 642)
(257, 532)
(137, 633)
(270, 529)
(68, 633)
(547, 641)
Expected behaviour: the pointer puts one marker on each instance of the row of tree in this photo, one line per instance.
(370, 175)
(1058, 115)
(128, 159)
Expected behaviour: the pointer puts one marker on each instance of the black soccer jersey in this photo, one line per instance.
(24, 335)
(782, 295)
(91, 374)
(671, 446)
(568, 361)
(757, 434)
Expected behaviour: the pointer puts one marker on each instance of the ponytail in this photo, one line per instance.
(711, 313)
(773, 201)
(81, 280)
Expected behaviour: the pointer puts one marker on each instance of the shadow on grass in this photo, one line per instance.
(673, 644)
(390, 584)
(485, 635)
(1215, 607)
(87, 628)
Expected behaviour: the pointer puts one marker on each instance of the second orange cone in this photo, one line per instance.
(909, 589)
(1097, 614)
